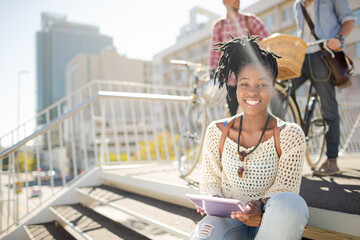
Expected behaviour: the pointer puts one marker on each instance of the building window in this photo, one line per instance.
(184, 77)
(159, 68)
(205, 48)
(275, 19)
(357, 15)
(196, 53)
(358, 49)
(286, 14)
(268, 22)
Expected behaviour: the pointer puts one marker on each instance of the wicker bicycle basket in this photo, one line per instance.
(291, 49)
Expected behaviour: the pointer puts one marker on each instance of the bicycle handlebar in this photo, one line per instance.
(189, 65)
(320, 41)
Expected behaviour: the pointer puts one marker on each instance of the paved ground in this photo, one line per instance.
(338, 193)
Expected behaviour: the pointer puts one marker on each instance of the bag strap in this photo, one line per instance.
(221, 28)
(309, 21)
(350, 62)
(248, 24)
(224, 134)
(226, 130)
(276, 132)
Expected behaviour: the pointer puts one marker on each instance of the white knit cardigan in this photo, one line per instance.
(265, 173)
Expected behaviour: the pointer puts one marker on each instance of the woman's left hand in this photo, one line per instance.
(253, 216)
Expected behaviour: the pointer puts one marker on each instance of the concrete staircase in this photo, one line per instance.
(102, 209)
(100, 215)
(144, 201)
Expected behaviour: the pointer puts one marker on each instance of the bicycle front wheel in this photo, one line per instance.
(278, 108)
(315, 139)
(192, 137)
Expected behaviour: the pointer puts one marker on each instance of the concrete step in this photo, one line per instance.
(47, 231)
(177, 220)
(84, 223)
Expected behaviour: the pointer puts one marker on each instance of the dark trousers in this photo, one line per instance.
(317, 71)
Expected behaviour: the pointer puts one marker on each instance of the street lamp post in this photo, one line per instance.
(18, 98)
(18, 139)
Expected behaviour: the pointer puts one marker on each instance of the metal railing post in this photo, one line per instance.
(143, 121)
(73, 147)
(61, 141)
(49, 145)
(82, 136)
(115, 131)
(38, 170)
(343, 149)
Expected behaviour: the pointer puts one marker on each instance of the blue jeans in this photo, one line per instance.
(316, 69)
(285, 217)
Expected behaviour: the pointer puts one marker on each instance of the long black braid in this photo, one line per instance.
(239, 52)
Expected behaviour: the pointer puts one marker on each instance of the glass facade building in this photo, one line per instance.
(58, 42)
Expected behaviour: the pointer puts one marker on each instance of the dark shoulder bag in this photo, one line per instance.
(341, 66)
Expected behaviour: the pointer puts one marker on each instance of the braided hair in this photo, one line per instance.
(239, 52)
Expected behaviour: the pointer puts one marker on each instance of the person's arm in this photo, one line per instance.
(347, 28)
(293, 148)
(214, 55)
(336, 43)
(210, 175)
(258, 28)
(347, 20)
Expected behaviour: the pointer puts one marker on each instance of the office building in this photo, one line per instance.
(192, 45)
(108, 68)
(107, 65)
(57, 43)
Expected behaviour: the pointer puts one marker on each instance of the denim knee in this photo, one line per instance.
(291, 205)
(214, 228)
(205, 228)
(285, 217)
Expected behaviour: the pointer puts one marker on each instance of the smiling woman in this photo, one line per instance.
(253, 157)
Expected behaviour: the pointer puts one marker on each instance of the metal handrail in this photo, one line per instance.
(101, 94)
(89, 86)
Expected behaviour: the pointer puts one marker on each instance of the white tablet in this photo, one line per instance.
(216, 206)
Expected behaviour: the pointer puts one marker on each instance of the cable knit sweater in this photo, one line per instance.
(265, 173)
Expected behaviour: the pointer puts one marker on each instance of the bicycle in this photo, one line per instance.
(196, 115)
(314, 127)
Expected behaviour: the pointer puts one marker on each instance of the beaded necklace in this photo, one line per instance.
(243, 154)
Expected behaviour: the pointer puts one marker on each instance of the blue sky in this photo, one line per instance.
(140, 29)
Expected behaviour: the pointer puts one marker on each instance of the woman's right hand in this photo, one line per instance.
(199, 210)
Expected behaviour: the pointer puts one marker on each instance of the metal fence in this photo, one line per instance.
(349, 126)
(108, 128)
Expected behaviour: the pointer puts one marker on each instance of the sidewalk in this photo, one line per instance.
(339, 193)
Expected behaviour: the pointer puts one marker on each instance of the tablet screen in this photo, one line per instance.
(216, 206)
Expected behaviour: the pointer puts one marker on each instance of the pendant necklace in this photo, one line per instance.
(243, 154)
